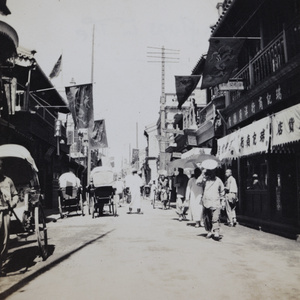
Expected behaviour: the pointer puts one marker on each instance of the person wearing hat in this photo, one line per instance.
(212, 200)
(134, 183)
(230, 198)
(180, 182)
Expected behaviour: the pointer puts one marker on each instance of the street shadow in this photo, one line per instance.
(29, 261)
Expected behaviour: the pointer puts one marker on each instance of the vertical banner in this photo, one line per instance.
(98, 138)
(80, 99)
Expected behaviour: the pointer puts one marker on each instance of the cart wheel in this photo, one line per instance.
(60, 207)
(41, 231)
(81, 205)
(88, 203)
(92, 205)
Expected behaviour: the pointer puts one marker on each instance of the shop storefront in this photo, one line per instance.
(265, 156)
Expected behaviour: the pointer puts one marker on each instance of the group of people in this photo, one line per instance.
(204, 195)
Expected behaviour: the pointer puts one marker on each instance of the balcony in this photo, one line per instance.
(283, 49)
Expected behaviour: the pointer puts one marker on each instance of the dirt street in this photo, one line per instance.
(154, 256)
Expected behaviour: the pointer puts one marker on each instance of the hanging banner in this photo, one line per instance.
(255, 137)
(221, 60)
(98, 138)
(185, 85)
(286, 126)
(80, 98)
(228, 146)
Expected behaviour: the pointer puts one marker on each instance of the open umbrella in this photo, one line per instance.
(183, 163)
(200, 158)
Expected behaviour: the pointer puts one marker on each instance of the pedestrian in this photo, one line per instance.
(231, 198)
(180, 182)
(213, 201)
(193, 196)
(163, 190)
(134, 183)
(8, 197)
(119, 186)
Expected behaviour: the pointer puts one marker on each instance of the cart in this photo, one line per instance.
(70, 197)
(101, 192)
(29, 213)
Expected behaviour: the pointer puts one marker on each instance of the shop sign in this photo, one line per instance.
(236, 85)
(286, 126)
(192, 140)
(255, 106)
(248, 140)
(176, 154)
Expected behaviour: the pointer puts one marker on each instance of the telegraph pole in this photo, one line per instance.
(161, 55)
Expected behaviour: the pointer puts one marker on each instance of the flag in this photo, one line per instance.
(80, 99)
(184, 87)
(57, 68)
(98, 138)
(221, 60)
(135, 156)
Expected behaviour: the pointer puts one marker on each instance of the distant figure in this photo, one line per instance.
(231, 198)
(134, 183)
(180, 182)
(163, 190)
(256, 185)
(119, 186)
(194, 194)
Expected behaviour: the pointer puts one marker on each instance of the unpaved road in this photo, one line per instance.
(153, 256)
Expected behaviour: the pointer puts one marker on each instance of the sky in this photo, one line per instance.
(126, 87)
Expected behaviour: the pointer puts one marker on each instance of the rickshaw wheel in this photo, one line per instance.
(88, 203)
(81, 205)
(60, 207)
(41, 231)
(92, 205)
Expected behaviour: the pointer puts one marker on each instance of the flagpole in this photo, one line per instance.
(92, 80)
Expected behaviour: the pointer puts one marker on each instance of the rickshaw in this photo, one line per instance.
(29, 213)
(69, 196)
(101, 191)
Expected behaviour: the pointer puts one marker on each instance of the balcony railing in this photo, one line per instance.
(282, 49)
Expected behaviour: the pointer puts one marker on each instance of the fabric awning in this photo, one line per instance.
(286, 126)
(9, 41)
(251, 139)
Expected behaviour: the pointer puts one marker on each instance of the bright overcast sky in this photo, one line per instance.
(127, 88)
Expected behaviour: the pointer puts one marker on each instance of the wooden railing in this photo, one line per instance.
(268, 61)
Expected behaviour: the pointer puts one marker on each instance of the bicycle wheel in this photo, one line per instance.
(41, 231)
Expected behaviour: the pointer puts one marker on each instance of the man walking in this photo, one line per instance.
(213, 201)
(135, 183)
(231, 199)
(180, 182)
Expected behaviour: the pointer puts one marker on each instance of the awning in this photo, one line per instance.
(250, 139)
(286, 126)
(9, 42)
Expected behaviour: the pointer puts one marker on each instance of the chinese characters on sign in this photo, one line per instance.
(255, 106)
(250, 139)
(286, 126)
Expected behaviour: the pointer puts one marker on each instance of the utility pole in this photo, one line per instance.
(162, 56)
